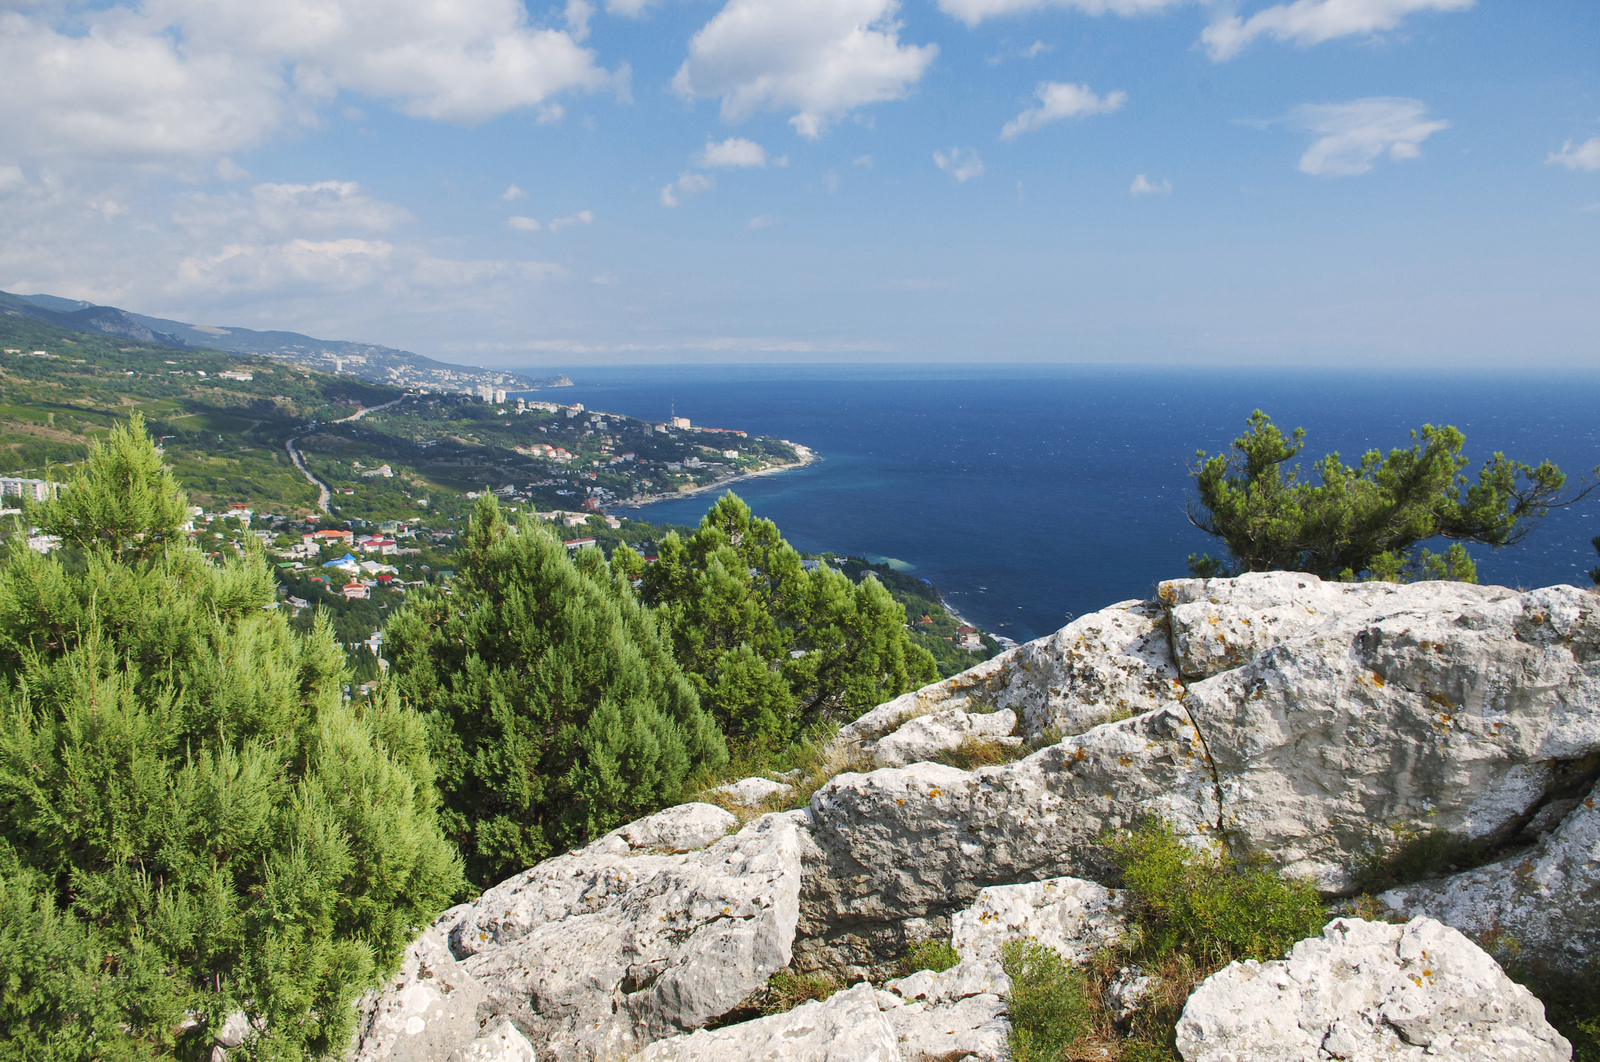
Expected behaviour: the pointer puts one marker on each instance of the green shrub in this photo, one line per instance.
(1048, 1002)
(1207, 907)
(935, 955)
(192, 818)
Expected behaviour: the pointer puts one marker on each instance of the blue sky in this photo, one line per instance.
(1387, 182)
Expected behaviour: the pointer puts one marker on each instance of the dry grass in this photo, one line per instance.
(786, 990)
(975, 752)
(805, 767)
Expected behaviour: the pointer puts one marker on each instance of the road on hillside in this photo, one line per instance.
(324, 495)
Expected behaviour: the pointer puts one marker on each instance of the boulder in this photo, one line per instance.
(1543, 901)
(427, 1010)
(1107, 665)
(926, 736)
(972, 1027)
(752, 792)
(594, 954)
(1220, 624)
(502, 1043)
(847, 1027)
(1365, 992)
(1443, 709)
(895, 851)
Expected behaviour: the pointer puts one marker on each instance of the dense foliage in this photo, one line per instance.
(193, 820)
(770, 646)
(1368, 519)
(556, 709)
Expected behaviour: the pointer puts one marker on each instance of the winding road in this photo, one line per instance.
(324, 495)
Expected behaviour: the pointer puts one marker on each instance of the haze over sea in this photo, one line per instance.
(1028, 493)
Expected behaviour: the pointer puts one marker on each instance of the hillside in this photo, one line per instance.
(366, 361)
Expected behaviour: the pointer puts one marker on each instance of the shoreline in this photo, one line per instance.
(808, 457)
(1006, 644)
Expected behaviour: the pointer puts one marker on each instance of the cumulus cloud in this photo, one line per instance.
(863, 160)
(1308, 22)
(686, 185)
(973, 12)
(732, 153)
(961, 163)
(181, 79)
(1142, 185)
(269, 209)
(821, 59)
(1057, 101)
(763, 221)
(511, 193)
(522, 224)
(582, 217)
(1352, 135)
(627, 8)
(1586, 156)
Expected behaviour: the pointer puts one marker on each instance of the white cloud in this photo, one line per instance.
(511, 193)
(228, 170)
(821, 59)
(1142, 185)
(522, 224)
(11, 179)
(582, 217)
(1308, 22)
(272, 209)
(961, 163)
(1036, 49)
(627, 8)
(1352, 135)
(764, 221)
(184, 79)
(686, 185)
(973, 12)
(1586, 156)
(1057, 101)
(830, 182)
(732, 153)
(863, 160)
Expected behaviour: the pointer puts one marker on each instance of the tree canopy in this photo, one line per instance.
(556, 710)
(1369, 519)
(770, 646)
(193, 820)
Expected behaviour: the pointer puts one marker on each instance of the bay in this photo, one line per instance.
(1029, 494)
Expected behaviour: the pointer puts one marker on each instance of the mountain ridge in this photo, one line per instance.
(367, 361)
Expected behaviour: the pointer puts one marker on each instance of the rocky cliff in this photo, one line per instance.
(1436, 741)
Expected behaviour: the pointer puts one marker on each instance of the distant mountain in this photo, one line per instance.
(399, 368)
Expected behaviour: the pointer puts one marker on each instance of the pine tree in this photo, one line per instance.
(192, 818)
(556, 709)
(771, 647)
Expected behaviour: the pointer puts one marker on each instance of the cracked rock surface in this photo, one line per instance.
(1365, 992)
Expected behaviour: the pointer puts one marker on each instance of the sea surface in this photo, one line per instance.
(1029, 494)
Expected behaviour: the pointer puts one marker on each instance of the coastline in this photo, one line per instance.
(1004, 642)
(807, 456)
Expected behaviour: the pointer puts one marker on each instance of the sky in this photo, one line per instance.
(1320, 182)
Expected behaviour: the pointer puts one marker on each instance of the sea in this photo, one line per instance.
(1032, 494)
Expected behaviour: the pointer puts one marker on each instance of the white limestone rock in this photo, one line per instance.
(1221, 624)
(973, 1026)
(1074, 917)
(1545, 899)
(752, 792)
(846, 1027)
(596, 953)
(429, 1008)
(927, 736)
(900, 844)
(1365, 992)
(502, 1043)
(1107, 665)
(1441, 708)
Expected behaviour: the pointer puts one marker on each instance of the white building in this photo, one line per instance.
(32, 489)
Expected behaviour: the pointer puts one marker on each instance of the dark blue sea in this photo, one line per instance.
(1029, 494)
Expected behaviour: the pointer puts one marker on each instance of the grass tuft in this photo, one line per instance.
(975, 752)
(935, 955)
(786, 990)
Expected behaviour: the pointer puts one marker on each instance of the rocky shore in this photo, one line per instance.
(1321, 730)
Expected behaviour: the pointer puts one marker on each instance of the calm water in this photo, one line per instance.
(1030, 493)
